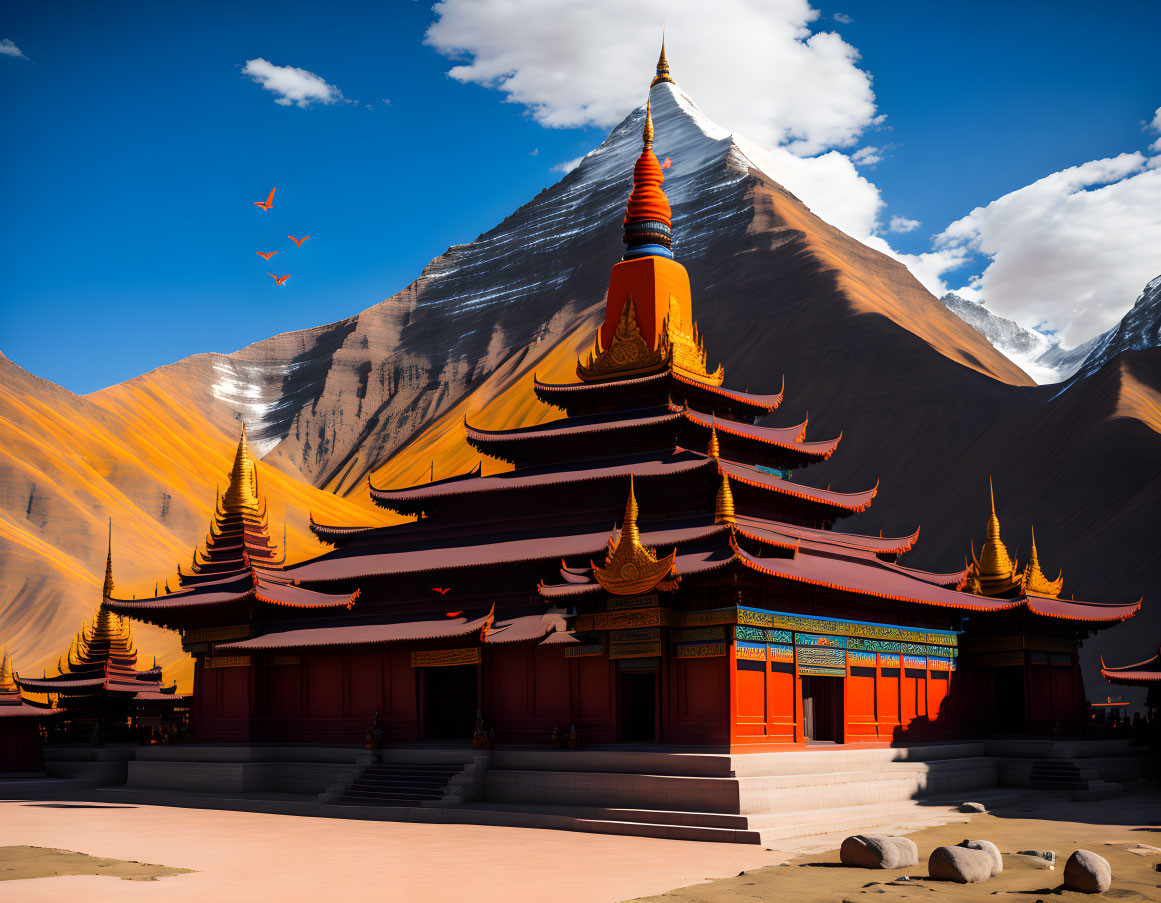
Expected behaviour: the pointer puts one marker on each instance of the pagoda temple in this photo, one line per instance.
(20, 724)
(99, 688)
(723, 608)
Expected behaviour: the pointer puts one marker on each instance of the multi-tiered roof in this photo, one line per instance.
(12, 702)
(102, 659)
(649, 440)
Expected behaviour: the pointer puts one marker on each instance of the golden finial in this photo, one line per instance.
(724, 505)
(649, 122)
(1035, 583)
(662, 65)
(7, 684)
(107, 591)
(996, 572)
(714, 450)
(630, 568)
(242, 490)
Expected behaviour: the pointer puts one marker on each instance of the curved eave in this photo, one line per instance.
(791, 438)
(289, 596)
(358, 635)
(876, 545)
(27, 710)
(497, 442)
(1150, 665)
(851, 502)
(830, 575)
(334, 533)
(549, 393)
(1132, 678)
(688, 565)
(1071, 610)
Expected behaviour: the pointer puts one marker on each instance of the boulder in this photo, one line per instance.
(960, 864)
(991, 849)
(1088, 873)
(972, 807)
(879, 852)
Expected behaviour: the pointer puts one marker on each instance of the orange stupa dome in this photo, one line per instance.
(648, 219)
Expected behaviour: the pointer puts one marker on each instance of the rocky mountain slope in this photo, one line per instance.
(925, 403)
(1140, 328)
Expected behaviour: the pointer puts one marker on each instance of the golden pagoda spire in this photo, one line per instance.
(662, 65)
(714, 449)
(724, 504)
(242, 491)
(648, 134)
(630, 568)
(994, 571)
(107, 591)
(1035, 583)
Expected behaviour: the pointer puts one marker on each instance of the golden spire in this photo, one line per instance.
(662, 66)
(724, 504)
(714, 450)
(1035, 583)
(630, 568)
(996, 573)
(648, 135)
(242, 490)
(108, 588)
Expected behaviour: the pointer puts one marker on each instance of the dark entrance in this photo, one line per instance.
(639, 706)
(822, 708)
(1008, 687)
(449, 702)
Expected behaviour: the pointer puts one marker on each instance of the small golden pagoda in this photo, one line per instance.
(631, 568)
(1035, 583)
(994, 572)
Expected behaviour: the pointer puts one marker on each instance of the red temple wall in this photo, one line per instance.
(526, 692)
(20, 747)
(859, 705)
(594, 703)
(696, 696)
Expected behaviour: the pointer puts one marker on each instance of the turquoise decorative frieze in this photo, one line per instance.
(814, 639)
(751, 634)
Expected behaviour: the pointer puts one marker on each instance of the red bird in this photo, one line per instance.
(668, 163)
(454, 614)
(269, 202)
(265, 255)
(298, 241)
(442, 590)
(279, 279)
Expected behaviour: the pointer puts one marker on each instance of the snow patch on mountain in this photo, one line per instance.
(1036, 353)
(1139, 328)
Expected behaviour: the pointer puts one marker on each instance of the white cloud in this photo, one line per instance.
(1068, 253)
(902, 224)
(1155, 125)
(842, 18)
(585, 64)
(535, 152)
(867, 156)
(7, 48)
(568, 165)
(292, 85)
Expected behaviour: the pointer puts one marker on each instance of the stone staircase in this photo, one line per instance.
(400, 785)
(1067, 774)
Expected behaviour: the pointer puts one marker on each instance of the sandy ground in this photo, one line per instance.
(1125, 831)
(250, 856)
(18, 863)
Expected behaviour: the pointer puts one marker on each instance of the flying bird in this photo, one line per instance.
(454, 614)
(298, 241)
(279, 279)
(265, 255)
(668, 163)
(269, 202)
(442, 590)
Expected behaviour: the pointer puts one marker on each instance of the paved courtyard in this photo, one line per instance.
(251, 856)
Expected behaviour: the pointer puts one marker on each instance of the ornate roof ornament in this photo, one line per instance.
(1035, 583)
(714, 449)
(107, 590)
(680, 349)
(662, 66)
(647, 135)
(7, 683)
(994, 572)
(630, 568)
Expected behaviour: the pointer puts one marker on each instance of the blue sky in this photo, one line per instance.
(135, 146)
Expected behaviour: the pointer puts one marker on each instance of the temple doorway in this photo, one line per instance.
(1008, 699)
(822, 708)
(639, 705)
(449, 702)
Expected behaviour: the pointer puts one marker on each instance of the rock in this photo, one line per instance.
(991, 849)
(960, 864)
(972, 807)
(1088, 873)
(879, 852)
(1047, 855)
